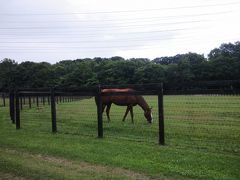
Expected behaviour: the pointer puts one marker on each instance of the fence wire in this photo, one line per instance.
(35, 114)
(78, 117)
(140, 130)
(201, 121)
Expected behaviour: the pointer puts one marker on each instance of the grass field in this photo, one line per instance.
(202, 141)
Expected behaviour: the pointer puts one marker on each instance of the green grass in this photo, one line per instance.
(202, 135)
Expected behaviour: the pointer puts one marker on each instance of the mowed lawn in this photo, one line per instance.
(202, 135)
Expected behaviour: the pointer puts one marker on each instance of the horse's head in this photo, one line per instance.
(148, 115)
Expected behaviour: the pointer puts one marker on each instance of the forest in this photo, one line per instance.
(222, 63)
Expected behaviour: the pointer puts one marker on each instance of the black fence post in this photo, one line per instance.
(53, 111)
(48, 99)
(17, 110)
(4, 100)
(21, 103)
(30, 102)
(161, 116)
(57, 99)
(11, 106)
(99, 113)
(37, 101)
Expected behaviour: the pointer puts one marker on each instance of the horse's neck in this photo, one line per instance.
(142, 103)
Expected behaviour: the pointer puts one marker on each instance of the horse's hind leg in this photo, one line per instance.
(131, 112)
(108, 111)
(125, 115)
(103, 107)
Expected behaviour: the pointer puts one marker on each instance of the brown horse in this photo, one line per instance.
(126, 100)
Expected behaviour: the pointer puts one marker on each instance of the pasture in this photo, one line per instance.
(202, 135)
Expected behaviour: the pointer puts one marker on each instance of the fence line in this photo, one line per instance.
(16, 105)
(17, 99)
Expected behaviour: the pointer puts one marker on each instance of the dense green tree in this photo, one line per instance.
(226, 50)
(151, 73)
(223, 63)
(224, 68)
(8, 74)
(30, 74)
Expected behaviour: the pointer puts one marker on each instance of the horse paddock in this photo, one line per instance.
(188, 118)
(201, 136)
(79, 117)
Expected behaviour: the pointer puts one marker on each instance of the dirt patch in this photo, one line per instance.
(76, 166)
(8, 176)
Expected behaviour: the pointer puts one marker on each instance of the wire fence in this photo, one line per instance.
(79, 117)
(205, 121)
(190, 120)
(36, 112)
(37, 116)
(202, 119)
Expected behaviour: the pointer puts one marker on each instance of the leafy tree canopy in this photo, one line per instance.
(223, 63)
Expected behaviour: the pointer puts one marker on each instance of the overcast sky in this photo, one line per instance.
(53, 30)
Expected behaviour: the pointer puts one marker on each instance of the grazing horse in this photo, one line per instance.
(128, 100)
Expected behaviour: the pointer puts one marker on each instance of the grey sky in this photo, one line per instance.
(53, 30)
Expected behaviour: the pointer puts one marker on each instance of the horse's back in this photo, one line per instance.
(118, 90)
(122, 100)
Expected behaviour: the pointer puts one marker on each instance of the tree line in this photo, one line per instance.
(222, 63)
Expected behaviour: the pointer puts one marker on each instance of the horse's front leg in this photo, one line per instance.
(127, 110)
(108, 111)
